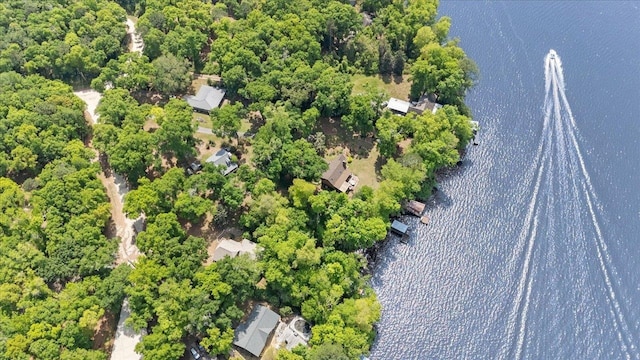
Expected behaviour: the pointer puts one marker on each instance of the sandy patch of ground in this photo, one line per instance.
(91, 98)
(126, 338)
(135, 44)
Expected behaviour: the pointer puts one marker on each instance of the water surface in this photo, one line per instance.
(533, 247)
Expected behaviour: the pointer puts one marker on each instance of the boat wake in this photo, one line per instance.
(563, 200)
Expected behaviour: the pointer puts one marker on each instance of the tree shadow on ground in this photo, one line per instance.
(338, 136)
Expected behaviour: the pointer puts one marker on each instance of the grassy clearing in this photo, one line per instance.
(395, 86)
(201, 120)
(362, 151)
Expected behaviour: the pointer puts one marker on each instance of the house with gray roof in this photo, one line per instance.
(223, 158)
(207, 99)
(252, 335)
(232, 248)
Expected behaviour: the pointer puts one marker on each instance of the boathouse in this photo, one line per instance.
(399, 228)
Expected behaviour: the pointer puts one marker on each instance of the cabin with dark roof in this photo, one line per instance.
(338, 177)
(426, 103)
(207, 99)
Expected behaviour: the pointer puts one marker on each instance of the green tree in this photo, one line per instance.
(300, 192)
(226, 119)
(175, 136)
(171, 74)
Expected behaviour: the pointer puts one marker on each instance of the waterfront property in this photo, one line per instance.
(252, 335)
(425, 103)
(223, 158)
(399, 228)
(338, 176)
(207, 99)
(413, 207)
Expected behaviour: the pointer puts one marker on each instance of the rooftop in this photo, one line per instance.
(234, 248)
(223, 158)
(207, 98)
(398, 105)
(338, 175)
(252, 335)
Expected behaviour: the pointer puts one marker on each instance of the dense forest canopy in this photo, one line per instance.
(287, 67)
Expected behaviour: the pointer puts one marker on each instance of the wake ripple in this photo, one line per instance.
(559, 165)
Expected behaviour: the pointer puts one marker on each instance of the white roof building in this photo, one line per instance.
(398, 105)
(234, 248)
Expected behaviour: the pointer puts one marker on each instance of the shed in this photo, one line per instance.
(207, 99)
(399, 228)
(252, 335)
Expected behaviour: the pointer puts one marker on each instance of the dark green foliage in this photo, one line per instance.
(38, 117)
(171, 74)
(175, 136)
(68, 40)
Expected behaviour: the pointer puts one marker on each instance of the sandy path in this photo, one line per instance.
(91, 98)
(136, 44)
(126, 338)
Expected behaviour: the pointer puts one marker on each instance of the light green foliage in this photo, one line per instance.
(349, 327)
(300, 192)
(443, 70)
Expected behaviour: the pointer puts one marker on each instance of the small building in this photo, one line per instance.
(426, 103)
(252, 335)
(398, 106)
(399, 228)
(338, 177)
(223, 158)
(414, 207)
(207, 99)
(233, 248)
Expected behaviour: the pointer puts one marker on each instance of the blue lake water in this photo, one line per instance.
(533, 250)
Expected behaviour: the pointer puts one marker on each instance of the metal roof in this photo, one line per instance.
(399, 227)
(399, 105)
(207, 98)
(252, 335)
(223, 157)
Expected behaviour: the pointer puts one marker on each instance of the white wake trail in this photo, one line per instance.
(529, 232)
(624, 334)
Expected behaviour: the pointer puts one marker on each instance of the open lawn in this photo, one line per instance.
(395, 86)
(362, 152)
(200, 119)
